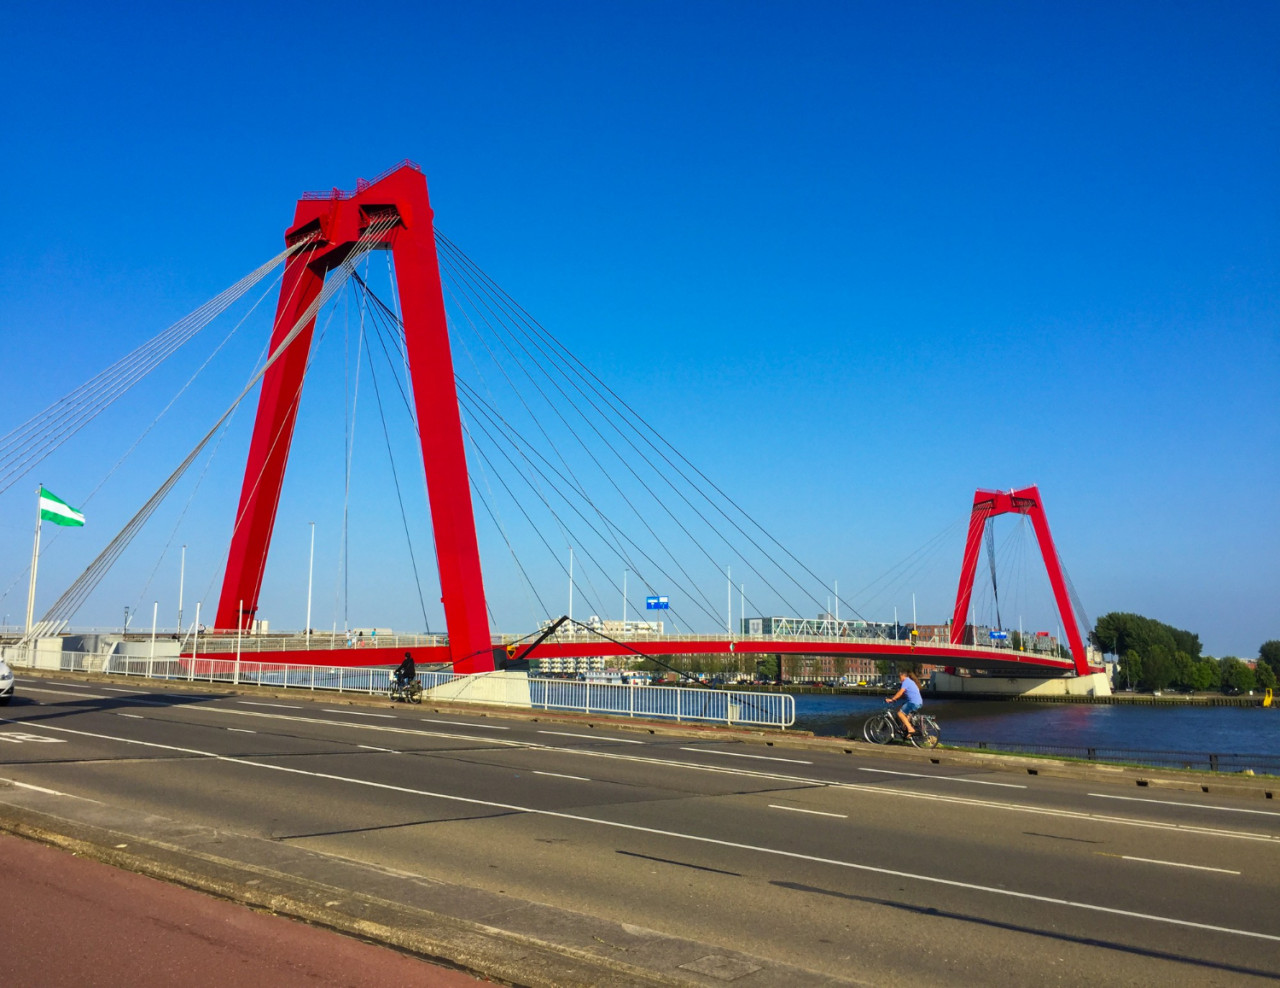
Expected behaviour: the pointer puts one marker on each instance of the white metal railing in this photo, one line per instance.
(678, 703)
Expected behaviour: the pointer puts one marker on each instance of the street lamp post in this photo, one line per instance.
(151, 659)
(182, 576)
(310, 570)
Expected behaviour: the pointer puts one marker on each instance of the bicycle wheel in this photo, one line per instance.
(926, 735)
(415, 693)
(878, 730)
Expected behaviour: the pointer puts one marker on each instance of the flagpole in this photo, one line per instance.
(35, 559)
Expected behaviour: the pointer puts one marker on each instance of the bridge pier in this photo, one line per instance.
(1093, 684)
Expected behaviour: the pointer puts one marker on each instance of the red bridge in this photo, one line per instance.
(396, 209)
(333, 231)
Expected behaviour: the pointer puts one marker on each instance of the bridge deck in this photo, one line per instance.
(433, 649)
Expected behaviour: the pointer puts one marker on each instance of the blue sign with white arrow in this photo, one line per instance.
(657, 603)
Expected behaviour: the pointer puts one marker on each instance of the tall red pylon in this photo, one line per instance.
(331, 224)
(988, 504)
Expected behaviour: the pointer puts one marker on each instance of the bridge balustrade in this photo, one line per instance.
(675, 703)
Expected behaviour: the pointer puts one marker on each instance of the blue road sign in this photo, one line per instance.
(999, 635)
(657, 603)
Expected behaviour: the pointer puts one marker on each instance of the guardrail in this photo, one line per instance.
(677, 703)
(1204, 761)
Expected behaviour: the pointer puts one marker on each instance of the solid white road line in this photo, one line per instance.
(591, 737)
(73, 686)
(797, 809)
(112, 689)
(51, 792)
(1172, 864)
(694, 838)
(738, 754)
(357, 713)
(557, 775)
(241, 730)
(78, 696)
(462, 723)
(282, 706)
(1195, 806)
(374, 747)
(132, 716)
(943, 778)
(777, 776)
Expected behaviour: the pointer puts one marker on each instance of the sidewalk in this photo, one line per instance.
(69, 921)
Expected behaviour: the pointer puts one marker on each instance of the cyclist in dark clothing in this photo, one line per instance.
(405, 671)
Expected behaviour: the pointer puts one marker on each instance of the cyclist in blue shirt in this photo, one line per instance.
(911, 690)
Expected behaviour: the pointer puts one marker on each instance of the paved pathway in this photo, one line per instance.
(69, 921)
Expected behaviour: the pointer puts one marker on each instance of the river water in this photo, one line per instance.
(1172, 727)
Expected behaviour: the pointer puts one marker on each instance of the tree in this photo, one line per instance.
(1269, 652)
(1158, 669)
(1204, 675)
(1237, 676)
(1266, 676)
(1184, 671)
(1186, 641)
(1213, 669)
(1130, 670)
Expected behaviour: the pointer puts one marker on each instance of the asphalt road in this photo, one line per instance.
(860, 867)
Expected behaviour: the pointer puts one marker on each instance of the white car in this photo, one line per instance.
(6, 682)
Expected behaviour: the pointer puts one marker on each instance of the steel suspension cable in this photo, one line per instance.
(72, 598)
(646, 487)
(535, 330)
(30, 443)
(574, 485)
(477, 405)
(395, 478)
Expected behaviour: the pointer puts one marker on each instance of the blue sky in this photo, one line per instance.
(854, 259)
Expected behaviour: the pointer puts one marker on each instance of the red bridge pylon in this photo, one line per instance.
(335, 222)
(986, 505)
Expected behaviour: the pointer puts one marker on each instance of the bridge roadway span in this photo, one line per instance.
(999, 661)
(546, 852)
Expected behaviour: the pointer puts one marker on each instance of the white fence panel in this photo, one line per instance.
(677, 703)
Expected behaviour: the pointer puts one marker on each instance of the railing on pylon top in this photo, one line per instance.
(361, 183)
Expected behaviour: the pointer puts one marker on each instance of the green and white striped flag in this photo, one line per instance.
(56, 510)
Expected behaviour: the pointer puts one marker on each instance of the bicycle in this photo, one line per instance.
(885, 727)
(410, 692)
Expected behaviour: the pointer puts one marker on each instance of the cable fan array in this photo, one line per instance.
(35, 439)
(1015, 563)
(561, 463)
(60, 613)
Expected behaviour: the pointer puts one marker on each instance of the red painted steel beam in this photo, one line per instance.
(930, 654)
(988, 504)
(335, 223)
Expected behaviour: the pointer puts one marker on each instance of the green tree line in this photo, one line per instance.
(1153, 655)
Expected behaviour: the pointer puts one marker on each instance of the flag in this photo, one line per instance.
(56, 510)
